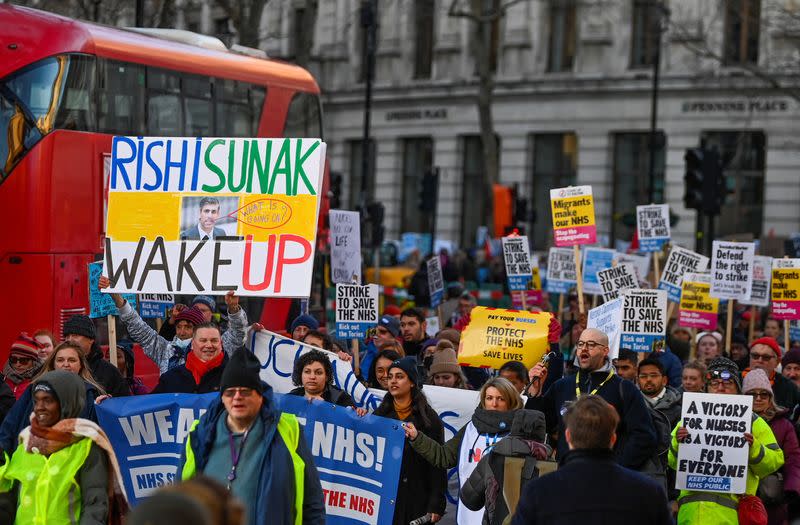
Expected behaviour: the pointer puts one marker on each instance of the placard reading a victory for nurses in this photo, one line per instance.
(494, 336)
(356, 309)
(435, 281)
(615, 279)
(732, 269)
(697, 308)
(595, 260)
(517, 256)
(716, 455)
(680, 262)
(786, 289)
(608, 319)
(209, 215)
(345, 243)
(561, 270)
(652, 227)
(644, 322)
(573, 216)
(762, 278)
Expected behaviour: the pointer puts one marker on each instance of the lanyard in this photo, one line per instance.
(487, 447)
(593, 392)
(235, 455)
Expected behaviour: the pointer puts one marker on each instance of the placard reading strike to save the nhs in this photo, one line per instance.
(209, 215)
(573, 216)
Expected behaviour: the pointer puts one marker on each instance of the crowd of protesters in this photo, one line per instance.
(608, 428)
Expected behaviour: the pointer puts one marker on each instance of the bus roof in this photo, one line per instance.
(30, 35)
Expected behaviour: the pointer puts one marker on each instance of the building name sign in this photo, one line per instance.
(417, 114)
(769, 105)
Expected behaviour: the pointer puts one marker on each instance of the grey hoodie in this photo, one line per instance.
(69, 390)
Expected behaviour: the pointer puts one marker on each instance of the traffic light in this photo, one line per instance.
(429, 190)
(376, 213)
(693, 179)
(335, 191)
(705, 189)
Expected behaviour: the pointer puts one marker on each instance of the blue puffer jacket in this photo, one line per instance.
(19, 417)
(276, 484)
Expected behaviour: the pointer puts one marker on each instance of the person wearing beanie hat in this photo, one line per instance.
(169, 354)
(386, 331)
(70, 456)
(206, 304)
(301, 325)
(79, 329)
(422, 486)
(765, 455)
(790, 366)
(268, 448)
(444, 369)
(23, 364)
(765, 353)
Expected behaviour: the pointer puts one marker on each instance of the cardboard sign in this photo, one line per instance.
(494, 336)
(595, 260)
(573, 216)
(356, 309)
(697, 308)
(680, 262)
(786, 289)
(560, 270)
(652, 227)
(716, 455)
(155, 305)
(640, 262)
(345, 243)
(644, 319)
(209, 215)
(101, 304)
(517, 256)
(617, 278)
(432, 326)
(435, 281)
(608, 319)
(762, 277)
(732, 269)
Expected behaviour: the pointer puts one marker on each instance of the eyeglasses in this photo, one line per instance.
(761, 357)
(19, 360)
(588, 344)
(761, 395)
(716, 383)
(243, 392)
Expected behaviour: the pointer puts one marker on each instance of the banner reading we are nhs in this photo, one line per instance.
(209, 215)
(358, 459)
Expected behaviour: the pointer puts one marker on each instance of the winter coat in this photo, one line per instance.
(786, 393)
(17, 388)
(19, 416)
(699, 508)
(180, 380)
(422, 486)
(786, 438)
(163, 352)
(332, 394)
(277, 502)
(636, 442)
(670, 405)
(485, 486)
(105, 374)
(7, 400)
(134, 383)
(591, 487)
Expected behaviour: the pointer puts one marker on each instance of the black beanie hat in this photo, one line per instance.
(242, 371)
(408, 365)
(80, 325)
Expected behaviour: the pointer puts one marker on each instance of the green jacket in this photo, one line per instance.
(698, 507)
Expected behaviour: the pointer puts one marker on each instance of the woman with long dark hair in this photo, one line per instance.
(422, 486)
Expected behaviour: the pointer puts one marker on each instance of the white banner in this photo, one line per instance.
(608, 319)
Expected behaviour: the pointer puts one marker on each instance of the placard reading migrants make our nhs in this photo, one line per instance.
(209, 215)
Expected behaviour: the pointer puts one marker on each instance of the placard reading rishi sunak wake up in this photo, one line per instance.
(209, 215)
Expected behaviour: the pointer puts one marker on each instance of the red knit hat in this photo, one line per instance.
(391, 309)
(191, 314)
(26, 345)
(770, 342)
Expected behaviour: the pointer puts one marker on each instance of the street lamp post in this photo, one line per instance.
(662, 12)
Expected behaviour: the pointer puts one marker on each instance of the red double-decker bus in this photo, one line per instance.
(66, 88)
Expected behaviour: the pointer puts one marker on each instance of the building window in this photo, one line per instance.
(424, 24)
(474, 193)
(631, 179)
(562, 35)
(646, 33)
(355, 160)
(417, 159)
(743, 161)
(742, 29)
(555, 162)
(297, 37)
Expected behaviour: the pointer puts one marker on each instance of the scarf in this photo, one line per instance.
(199, 368)
(47, 440)
(17, 377)
(403, 411)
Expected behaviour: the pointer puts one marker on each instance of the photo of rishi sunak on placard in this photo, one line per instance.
(208, 218)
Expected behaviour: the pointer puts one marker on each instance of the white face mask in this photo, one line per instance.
(183, 344)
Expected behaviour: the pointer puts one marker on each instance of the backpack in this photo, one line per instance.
(516, 468)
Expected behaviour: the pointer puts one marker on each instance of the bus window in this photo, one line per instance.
(164, 116)
(196, 93)
(120, 97)
(77, 103)
(303, 117)
(238, 107)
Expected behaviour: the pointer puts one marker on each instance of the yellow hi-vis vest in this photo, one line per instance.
(289, 430)
(49, 494)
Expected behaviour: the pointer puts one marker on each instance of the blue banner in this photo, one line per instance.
(519, 283)
(358, 458)
(353, 330)
(594, 260)
(101, 304)
(155, 305)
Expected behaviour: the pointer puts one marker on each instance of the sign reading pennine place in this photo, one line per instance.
(756, 105)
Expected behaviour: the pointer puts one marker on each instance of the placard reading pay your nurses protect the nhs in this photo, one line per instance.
(209, 215)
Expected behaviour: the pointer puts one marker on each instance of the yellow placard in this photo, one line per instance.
(495, 336)
(785, 284)
(696, 297)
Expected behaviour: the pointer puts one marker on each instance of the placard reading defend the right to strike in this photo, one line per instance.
(732, 269)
